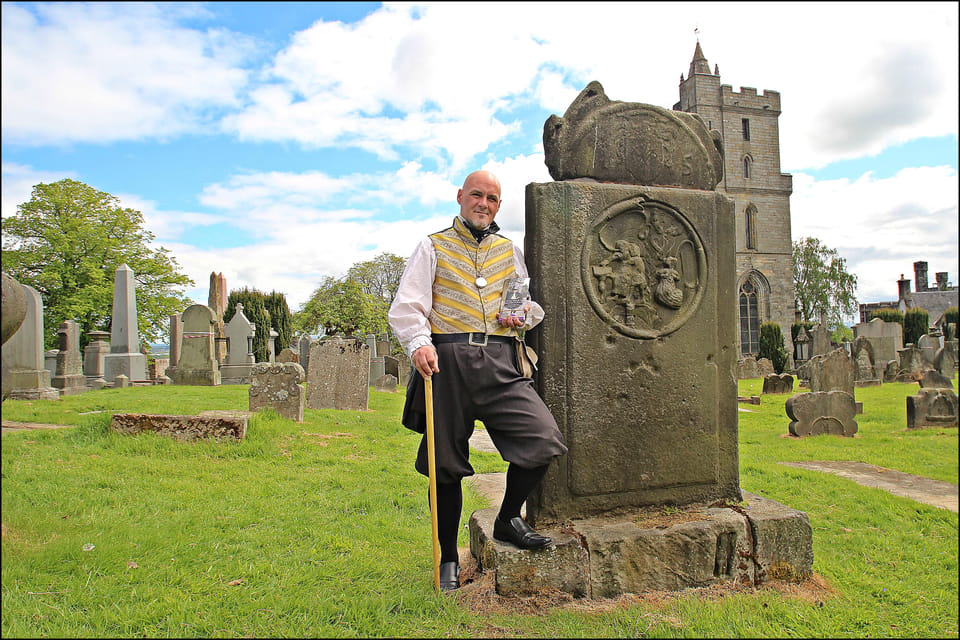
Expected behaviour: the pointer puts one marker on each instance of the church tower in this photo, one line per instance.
(751, 176)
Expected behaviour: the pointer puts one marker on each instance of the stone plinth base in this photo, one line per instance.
(48, 393)
(607, 556)
(196, 377)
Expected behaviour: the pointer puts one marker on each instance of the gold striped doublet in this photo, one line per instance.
(459, 305)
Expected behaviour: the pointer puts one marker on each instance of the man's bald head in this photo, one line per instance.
(479, 199)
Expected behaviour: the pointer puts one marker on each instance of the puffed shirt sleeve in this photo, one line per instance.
(409, 314)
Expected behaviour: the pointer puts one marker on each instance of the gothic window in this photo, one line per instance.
(745, 123)
(749, 319)
(751, 226)
(747, 162)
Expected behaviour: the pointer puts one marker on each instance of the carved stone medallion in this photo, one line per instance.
(643, 268)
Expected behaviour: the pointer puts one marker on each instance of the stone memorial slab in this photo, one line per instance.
(339, 375)
(176, 338)
(69, 378)
(764, 367)
(932, 408)
(50, 361)
(747, 368)
(197, 366)
(820, 338)
(631, 278)
(288, 355)
(865, 373)
(945, 362)
(933, 379)
(182, 427)
(886, 338)
(124, 357)
(277, 385)
(822, 412)
(928, 345)
(912, 365)
(23, 354)
(832, 372)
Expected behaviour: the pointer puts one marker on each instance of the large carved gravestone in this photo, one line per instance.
(240, 359)
(23, 354)
(13, 310)
(637, 276)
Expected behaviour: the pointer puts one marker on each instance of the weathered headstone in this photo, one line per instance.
(304, 347)
(13, 310)
(747, 368)
(945, 362)
(240, 333)
(865, 372)
(764, 367)
(217, 301)
(97, 348)
(124, 357)
(633, 258)
(777, 383)
(69, 377)
(832, 372)
(121, 382)
(386, 382)
(277, 385)
(339, 375)
(197, 363)
(23, 354)
(886, 338)
(820, 339)
(911, 364)
(932, 406)
(928, 345)
(176, 338)
(288, 355)
(50, 361)
(822, 412)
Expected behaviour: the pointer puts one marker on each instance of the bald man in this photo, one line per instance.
(446, 316)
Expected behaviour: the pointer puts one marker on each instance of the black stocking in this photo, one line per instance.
(449, 505)
(520, 482)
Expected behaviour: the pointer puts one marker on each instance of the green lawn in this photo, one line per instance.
(321, 529)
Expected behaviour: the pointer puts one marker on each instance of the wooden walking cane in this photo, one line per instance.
(432, 469)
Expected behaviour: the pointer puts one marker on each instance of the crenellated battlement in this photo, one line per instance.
(747, 97)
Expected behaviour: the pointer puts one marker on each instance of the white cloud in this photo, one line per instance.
(882, 226)
(100, 72)
(18, 180)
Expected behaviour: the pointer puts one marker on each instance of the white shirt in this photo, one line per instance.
(410, 312)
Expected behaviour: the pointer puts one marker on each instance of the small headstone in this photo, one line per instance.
(911, 364)
(747, 368)
(69, 378)
(277, 385)
(832, 372)
(778, 383)
(288, 355)
(822, 412)
(158, 368)
(933, 379)
(945, 362)
(304, 347)
(932, 408)
(864, 368)
(176, 338)
(339, 375)
(121, 382)
(50, 361)
(386, 383)
(928, 345)
(764, 367)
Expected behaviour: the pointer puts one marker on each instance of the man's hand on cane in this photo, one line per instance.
(425, 361)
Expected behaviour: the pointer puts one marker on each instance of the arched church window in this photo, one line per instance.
(746, 166)
(749, 319)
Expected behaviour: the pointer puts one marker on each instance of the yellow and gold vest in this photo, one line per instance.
(459, 305)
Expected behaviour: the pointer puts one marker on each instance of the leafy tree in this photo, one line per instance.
(341, 306)
(821, 283)
(380, 276)
(67, 242)
(916, 323)
(771, 346)
(950, 315)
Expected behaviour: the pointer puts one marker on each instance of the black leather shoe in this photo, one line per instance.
(519, 533)
(449, 576)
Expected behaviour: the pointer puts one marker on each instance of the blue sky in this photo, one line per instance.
(279, 143)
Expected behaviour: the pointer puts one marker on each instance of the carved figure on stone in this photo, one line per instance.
(633, 244)
(631, 143)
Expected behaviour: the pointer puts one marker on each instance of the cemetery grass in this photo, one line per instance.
(321, 529)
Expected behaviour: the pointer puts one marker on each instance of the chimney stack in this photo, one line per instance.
(903, 286)
(920, 273)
